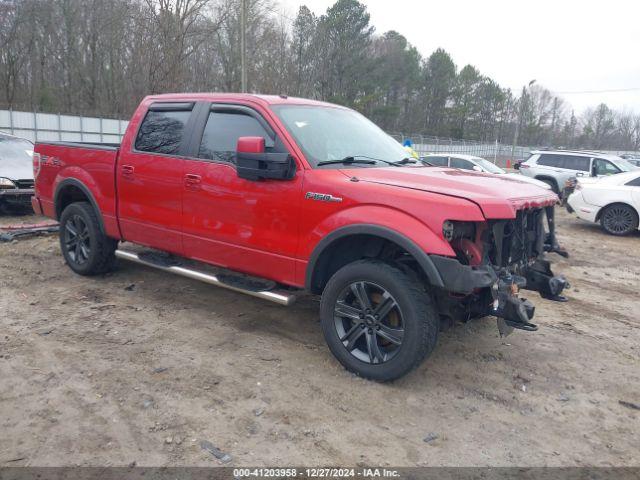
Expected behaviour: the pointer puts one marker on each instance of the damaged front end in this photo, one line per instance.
(494, 261)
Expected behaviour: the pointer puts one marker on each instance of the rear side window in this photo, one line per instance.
(548, 160)
(222, 131)
(460, 163)
(575, 163)
(162, 131)
(438, 161)
(570, 162)
(634, 183)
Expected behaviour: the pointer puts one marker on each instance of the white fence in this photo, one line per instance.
(501, 154)
(68, 128)
(56, 127)
(498, 153)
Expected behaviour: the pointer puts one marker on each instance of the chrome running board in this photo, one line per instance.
(279, 297)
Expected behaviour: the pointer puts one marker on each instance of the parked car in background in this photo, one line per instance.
(613, 201)
(556, 167)
(633, 158)
(478, 164)
(16, 172)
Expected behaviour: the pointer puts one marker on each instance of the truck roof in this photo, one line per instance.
(251, 97)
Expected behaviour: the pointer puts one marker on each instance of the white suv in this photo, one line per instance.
(555, 167)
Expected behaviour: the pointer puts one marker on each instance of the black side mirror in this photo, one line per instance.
(516, 166)
(262, 166)
(253, 163)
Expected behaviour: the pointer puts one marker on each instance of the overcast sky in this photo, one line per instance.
(565, 45)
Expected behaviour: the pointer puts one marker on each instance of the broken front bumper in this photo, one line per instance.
(505, 282)
(513, 311)
(504, 286)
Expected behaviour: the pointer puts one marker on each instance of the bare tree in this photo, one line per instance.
(101, 57)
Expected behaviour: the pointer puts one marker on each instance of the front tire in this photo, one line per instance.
(377, 320)
(619, 219)
(86, 249)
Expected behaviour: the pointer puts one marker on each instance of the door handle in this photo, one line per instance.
(127, 169)
(192, 180)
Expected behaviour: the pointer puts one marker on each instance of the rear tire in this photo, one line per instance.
(619, 219)
(85, 248)
(377, 320)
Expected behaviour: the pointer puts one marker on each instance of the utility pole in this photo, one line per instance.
(519, 120)
(553, 122)
(243, 45)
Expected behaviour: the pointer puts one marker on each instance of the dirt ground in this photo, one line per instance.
(141, 366)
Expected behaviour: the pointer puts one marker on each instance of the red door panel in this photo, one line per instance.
(247, 226)
(150, 200)
(150, 175)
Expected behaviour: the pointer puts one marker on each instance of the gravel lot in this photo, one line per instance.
(141, 366)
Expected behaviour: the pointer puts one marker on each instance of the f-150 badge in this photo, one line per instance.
(322, 197)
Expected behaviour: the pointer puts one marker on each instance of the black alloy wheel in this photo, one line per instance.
(85, 247)
(369, 322)
(77, 241)
(619, 220)
(378, 319)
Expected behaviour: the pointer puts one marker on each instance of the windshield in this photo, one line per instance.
(488, 166)
(625, 165)
(15, 150)
(329, 133)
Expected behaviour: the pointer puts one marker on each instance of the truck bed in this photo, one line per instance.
(92, 145)
(89, 164)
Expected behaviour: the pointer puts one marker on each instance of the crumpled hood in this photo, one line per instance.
(499, 196)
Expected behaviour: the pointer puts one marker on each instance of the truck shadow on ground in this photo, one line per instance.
(296, 327)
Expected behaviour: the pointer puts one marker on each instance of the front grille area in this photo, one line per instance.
(28, 183)
(517, 243)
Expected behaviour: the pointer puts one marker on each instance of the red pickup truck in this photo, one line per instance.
(269, 195)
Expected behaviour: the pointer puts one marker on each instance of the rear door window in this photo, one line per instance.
(571, 162)
(163, 128)
(222, 131)
(438, 161)
(547, 160)
(461, 163)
